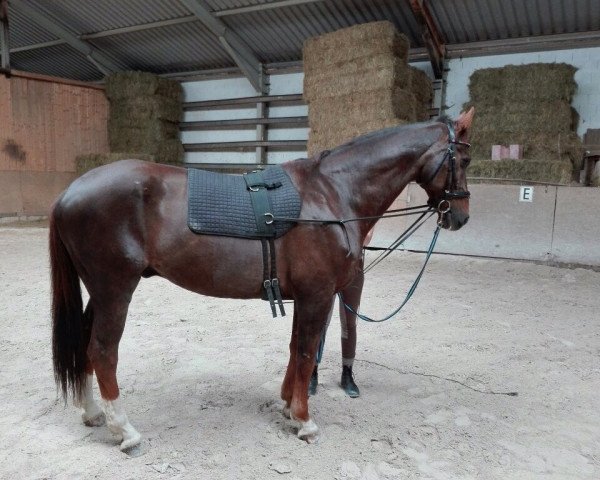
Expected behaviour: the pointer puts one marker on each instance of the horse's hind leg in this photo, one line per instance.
(108, 325)
(92, 415)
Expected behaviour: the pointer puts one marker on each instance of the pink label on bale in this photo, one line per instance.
(496, 152)
(500, 152)
(515, 152)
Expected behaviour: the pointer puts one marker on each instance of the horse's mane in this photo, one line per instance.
(377, 133)
(443, 118)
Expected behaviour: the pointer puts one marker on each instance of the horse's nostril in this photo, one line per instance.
(466, 220)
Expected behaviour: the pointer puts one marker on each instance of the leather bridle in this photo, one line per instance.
(451, 190)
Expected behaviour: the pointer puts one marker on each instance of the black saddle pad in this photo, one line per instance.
(220, 204)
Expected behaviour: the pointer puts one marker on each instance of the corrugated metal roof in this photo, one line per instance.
(177, 42)
(463, 21)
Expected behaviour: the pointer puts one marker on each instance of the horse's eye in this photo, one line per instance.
(466, 161)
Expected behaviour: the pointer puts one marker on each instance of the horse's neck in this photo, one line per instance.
(374, 172)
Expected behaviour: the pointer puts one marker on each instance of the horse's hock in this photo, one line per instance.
(357, 80)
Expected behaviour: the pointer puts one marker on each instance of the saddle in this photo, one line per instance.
(246, 206)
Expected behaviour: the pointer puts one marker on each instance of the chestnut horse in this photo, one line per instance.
(128, 220)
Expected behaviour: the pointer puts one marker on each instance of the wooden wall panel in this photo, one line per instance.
(45, 124)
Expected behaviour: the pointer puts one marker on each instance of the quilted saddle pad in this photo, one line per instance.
(220, 204)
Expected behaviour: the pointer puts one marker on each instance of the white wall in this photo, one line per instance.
(587, 97)
(239, 88)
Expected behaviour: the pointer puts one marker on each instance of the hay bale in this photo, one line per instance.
(532, 170)
(527, 105)
(535, 82)
(134, 84)
(169, 151)
(329, 140)
(151, 129)
(546, 117)
(89, 161)
(421, 85)
(336, 112)
(139, 109)
(366, 40)
(541, 146)
(360, 76)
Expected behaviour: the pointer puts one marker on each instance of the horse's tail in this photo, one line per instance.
(69, 339)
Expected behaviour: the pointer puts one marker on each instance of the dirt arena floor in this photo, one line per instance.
(200, 379)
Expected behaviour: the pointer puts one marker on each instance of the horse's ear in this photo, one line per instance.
(464, 120)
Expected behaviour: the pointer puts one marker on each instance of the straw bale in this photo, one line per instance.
(135, 110)
(366, 40)
(169, 151)
(89, 161)
(545, 117)
(540, 146)
(153, 129)
(332, 113)
(328, 140)
(165, 150)
(536, 82)
(364, 75)
(421, 85)
(141, 84)
(533, 170)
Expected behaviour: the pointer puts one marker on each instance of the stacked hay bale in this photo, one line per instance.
(144, 115)
(357, 80)
(143, 121)
(529, 105)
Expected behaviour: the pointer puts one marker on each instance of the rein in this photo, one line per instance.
(451, 192)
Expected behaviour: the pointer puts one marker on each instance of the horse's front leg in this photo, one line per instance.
(311, 318)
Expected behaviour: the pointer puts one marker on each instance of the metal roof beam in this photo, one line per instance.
(244, 58)
(263, 6)
(432, 37)
(4, 47)
(102, 63)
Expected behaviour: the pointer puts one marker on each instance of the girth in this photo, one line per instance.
(263, 213)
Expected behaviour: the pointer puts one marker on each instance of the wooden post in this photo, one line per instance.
(432, 37)
(5, 50)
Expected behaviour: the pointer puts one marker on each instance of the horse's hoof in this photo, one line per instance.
(309, 432)
(95, 421)
(135, 451)
(129, 443)
(286, 412)
(347, 383)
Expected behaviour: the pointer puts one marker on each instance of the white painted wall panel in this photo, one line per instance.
(287, 84)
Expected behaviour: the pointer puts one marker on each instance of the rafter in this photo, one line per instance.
(102, 63)
(432, 37)
(244, 58)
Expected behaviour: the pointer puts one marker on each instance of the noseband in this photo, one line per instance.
(451, 191)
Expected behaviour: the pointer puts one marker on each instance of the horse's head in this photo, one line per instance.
(443, 175)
